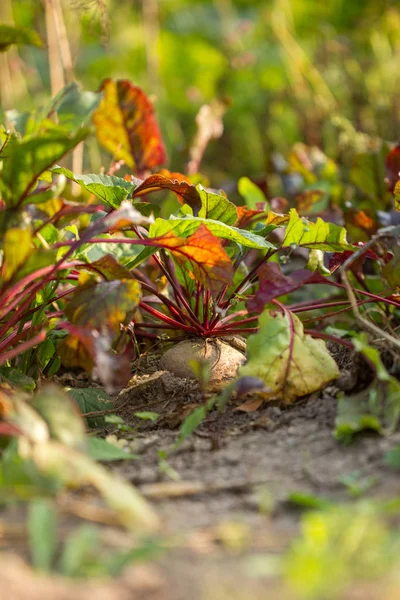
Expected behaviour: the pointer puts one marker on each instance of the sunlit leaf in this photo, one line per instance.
(108, 188)
(320, 235)
(189, 225)
(18, 35)
(109, 268)
(17, 246)
(185, 191)
(289, 362)
(248, 215)
(277, 219)
(216, 207)
(252, 194)
(202, 256)
(126, 126)
(24, 161)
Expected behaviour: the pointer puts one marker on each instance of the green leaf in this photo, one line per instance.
(216, 207)
(92, 400)
(193, 420)
(289, 362)
(42, 534)
(251, 193)
(18, 35)
(319, 235)
(108, 188)
(100, 449)
(24, 161)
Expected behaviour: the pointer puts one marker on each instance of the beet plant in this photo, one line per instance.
(96, 278)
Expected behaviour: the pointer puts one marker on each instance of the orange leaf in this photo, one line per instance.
(246, 215)
(209, 262)
(126, 126)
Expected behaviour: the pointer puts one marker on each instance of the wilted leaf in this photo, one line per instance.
(310, 201)
(18, 35)
(104, 304)
(273, 283)
(108, 188)
(185, 191)
(201, 255)
(320, 235)
(126, 126)
(289, 362)
(96, 312)
(109, 268)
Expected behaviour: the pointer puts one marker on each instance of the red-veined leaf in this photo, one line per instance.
(273, 283)
(201, 255)
(126, 126)
(248, 215)
(184, 190)
(289, 362)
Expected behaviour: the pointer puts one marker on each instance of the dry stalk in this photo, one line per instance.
(387, 232)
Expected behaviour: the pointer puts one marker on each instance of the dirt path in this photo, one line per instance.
(225, 496)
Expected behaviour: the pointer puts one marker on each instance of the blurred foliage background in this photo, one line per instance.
(286, 68)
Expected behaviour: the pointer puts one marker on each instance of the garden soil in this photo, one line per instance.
(225, 496)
